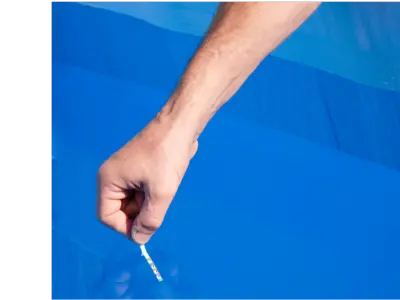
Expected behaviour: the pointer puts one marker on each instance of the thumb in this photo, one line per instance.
(150, 218)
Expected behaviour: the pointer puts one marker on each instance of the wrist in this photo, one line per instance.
(181, 120)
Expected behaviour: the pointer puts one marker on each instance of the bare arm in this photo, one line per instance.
(240, 37)
(138, 183)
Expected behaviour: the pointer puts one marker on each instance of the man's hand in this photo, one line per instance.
(140, 180)
(137, 184)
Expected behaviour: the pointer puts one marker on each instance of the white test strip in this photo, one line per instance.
(150, 262)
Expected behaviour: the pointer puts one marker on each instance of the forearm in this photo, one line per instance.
(239, 38)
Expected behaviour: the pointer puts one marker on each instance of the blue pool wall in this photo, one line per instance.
(301, 166)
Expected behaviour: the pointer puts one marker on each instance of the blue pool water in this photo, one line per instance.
(301, 168)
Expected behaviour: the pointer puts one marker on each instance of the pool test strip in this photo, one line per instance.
(150, 262)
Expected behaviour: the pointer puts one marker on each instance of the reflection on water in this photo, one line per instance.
(130, 277)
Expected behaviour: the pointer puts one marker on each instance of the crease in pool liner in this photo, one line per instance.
(334, 36)
(151, 263)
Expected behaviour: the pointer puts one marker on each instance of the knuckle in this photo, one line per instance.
(105, 220)
(99, 213)
(101, 216)
(105, 174)
(164, 193)
(151, 224)
(108, 166)
(103, 170)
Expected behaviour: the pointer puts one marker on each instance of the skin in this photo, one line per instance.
(137, 184)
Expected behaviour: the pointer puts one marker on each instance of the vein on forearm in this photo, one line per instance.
(239, 38)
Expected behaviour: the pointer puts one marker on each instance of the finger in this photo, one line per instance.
(132, 206)
(108, 204)
(150, 218)
(123, 213)
(119, 222)
(110, 192)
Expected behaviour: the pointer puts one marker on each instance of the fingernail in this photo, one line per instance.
(141, 238)
(133, 232)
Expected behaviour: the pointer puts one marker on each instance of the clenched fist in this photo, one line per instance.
(137, 184)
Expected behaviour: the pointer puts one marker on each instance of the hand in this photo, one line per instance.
(137, 184)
